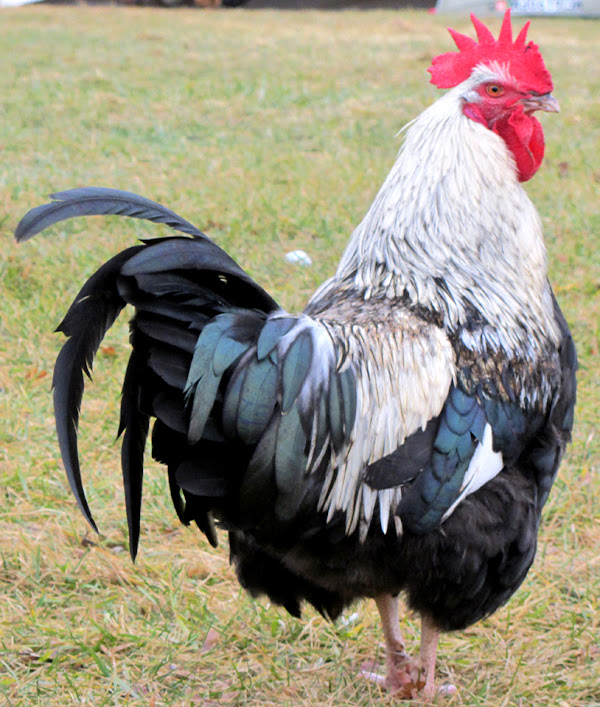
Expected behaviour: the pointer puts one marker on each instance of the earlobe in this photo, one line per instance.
(473, 112)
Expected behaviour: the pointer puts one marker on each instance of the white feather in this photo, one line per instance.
(403, 370)
(452, 208)
(484, 466)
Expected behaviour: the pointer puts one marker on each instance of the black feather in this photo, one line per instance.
(162, 284)
(402, 466)
(166, 332)
(257, 399)
(201, 256)
(271, 334)
(205, 477)
(170, 364)
(99, 201)
(232, 399)
(258, 488)
(290, 464)
(336, 411)
(348, 389)
(134, 424)
(92, 313)
(169, 408)
(296, 367)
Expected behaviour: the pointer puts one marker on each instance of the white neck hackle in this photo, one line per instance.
(452, 229)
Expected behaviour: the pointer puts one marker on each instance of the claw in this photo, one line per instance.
(368, 671)
(407, 685)
(447, 690)
(405, 681)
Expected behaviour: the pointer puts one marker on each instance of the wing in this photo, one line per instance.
(298, 421)
(472, 440)
(468, 444)
(286, 414)
(498, 413)
(403, 368)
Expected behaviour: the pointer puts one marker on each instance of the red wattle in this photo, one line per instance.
(524, 137)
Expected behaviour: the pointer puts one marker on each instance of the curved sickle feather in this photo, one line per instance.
(99, 201)
(90, 316)
(68, 392)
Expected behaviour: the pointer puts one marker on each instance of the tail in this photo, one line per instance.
(177, 285)
(99, 201)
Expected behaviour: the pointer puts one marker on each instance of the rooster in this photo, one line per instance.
(402, 434)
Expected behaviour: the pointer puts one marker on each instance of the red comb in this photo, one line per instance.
(522, 61)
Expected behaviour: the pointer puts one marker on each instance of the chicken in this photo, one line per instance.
(402, 434)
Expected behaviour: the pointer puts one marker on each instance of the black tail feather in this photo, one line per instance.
(99, 201)
(220, 273)
(134, 425)
(87, 321)
(176, 285)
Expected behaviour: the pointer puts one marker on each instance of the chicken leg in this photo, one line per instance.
(406, 678)
(402, 673)
(430, 635)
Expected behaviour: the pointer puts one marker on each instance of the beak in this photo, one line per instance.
(547, 103)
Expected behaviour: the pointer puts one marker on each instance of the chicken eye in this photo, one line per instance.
(493, 89)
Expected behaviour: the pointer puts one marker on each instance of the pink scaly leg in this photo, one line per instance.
(402, 674)
(395, 650)
(430, 635)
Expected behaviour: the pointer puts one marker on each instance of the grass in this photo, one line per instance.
(273, 132)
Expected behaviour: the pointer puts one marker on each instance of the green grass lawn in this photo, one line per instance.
(272, 131)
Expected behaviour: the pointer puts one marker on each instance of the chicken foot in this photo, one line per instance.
(406, 678)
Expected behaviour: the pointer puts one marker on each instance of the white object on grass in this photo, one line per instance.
(299, 257)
